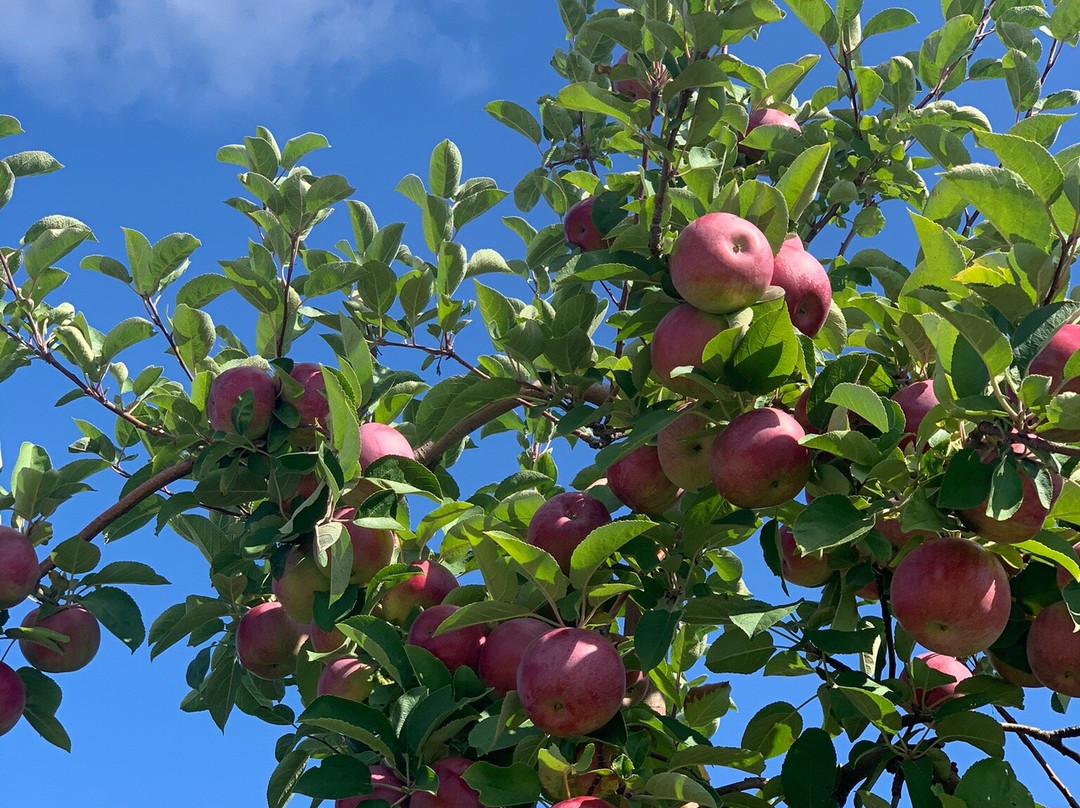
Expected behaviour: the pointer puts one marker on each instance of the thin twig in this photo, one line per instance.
(743, 785)
(155, 316)
(294, 248)
(886, 617)
(1051, 738)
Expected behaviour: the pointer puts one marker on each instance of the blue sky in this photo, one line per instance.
(135, 97)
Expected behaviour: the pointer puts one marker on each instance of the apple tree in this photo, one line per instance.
(896, 436)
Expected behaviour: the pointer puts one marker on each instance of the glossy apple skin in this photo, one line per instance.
(766, 117)
(453, 791)
(323, 642)
(84, 639)
(571, 682)
(634, 89)
(583, 802)
(226, 389)
(799, 413)
(425, 590)
(1063, 575)
(1053, 650)
(757, 461)
(685, 452)
(299, 582)
(952, 596)
(1051, 360)
(18, 568)
(12, 698)
(1022, 525)
(502, 650)
(267, 641)
(563, 522)
(679, 341)
(1012, 674)
(372, 549)
(459, 648)
(638, 482)
(346, 678)
(799, 569)
(381, 440)
(312, 404)
(580, 230)
(936, 696)
(916, 400)
(385, 786)
(721, 263)
(807, 290)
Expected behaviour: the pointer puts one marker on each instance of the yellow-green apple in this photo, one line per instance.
(385, 786)
(721, 263)
(684, 447)
(311, 404)
(1012, 674)
(1063, 575)
(299, 582)
(563, 522)
(936, 696)
(634, 89)
(638, 482)
(679, 341)
(429, 588)
(453, 791)
(580, 229)
(83, 634)
(1053, 650)
(571, 681)
(916, 400)
(799, 569)
(12, 698)
(561, 784)
(346, 678)
(372, 549)
(459, 648)
(18, 568)
(1027, 521)
(323, 642)
(766, 117)
(226, 390)
(267, 641)
(951, 596)
(807, 290)
(758, 462)
(501, 652)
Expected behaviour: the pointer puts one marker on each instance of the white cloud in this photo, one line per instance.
(195, 54)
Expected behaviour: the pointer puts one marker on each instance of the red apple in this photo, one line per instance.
(952, 596)
(757, 461)
(638, 482)
(459, 648)
(323, 642)
(381, 440)
(1012, 674)
(563, 522)
(889, 526)
(1051, 360)
(799, 569)
(579, 228)
(19, 572)
(1053, 649)
(1022, 525)
(312, 404)
(453, 791)
(425, 590)
(385, 786)
(766, 117)
(84, 637)
(346, 678)
(807, 290)
(1063, 575)
(684, 447)
(226, 390)
(12, 698)
(936, 696)
(583, 802)
(372, 549)
(571, 681)
(679, 341)
(299, 582)
(634, 89)
(267, 641)
(637, 683)
(501, 652)
(916, 400)
(721, 263)
(800, 415)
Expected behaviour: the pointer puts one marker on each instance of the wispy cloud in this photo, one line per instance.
(225, 53)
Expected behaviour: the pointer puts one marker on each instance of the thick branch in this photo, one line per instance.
(1049, 737)
(430, 452)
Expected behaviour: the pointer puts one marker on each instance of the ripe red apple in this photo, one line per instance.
(312, 404)
(807, 290)
(766, 117)
(459, 648)
(425, 590)
(721, 263)
(800, 415)
(952, 596)
(1051, 360)
(583, 802)
(936, 696)
(385, 786)
(679, 341)
(346, 678)
(634, 89)
(889, 527)
(323, 642)
(12, 698)
(372, 549)
(267, 641)
(1012, 674)
(226, 390)
(916, 400)
(501, 652)
(563, 522)
(799, 569)
(18, 567)
(1063, 575)
(381, 440)
(1022, 525)
(757, 461)
(638, 482)
(299, 582)
(84, 637)
(579, 228)
(453, 791)
(637, 683)
(1053, 650)
(685, 447)
(571, 681)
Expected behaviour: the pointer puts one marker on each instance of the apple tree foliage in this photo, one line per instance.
(995, 207)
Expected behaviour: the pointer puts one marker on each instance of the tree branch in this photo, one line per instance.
(1049, 737)
(743, 785)
(155, 316)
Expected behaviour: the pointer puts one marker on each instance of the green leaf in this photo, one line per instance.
(678, 788)
(300, 146)
(652, 637)
(768, 352)
(119, 613)
(809, 772)
(1021, 78)
(516, 784)
(279, 789)
(863, 402)
(601, 544)
(829, 521)
(1007, 202)
(125, 334)
(171, 254)
(125, 572)
(891, 19)
(481, 613)
(444, 174)
(325, 191)
(75, 555)
(800, 181)
(516, 117)
(139, 252)
(729, 757)
(966, 483)
(537, 565)
(193, 332)
(31, 163)
(702, 73)
(336, 777)
(942, 258)
(1031, 161)
(381, 642)
(354, 720)
(765, 206)
(874, 707)
(773, 729)
(50, 246)
(582, 97)
(992, 784)
(944, 47)
(43, 697)
(734, 652)
(977, 729)
(818, 17)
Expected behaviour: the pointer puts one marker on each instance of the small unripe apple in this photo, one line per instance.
(372, 549)
(12, 698)
(1026, 522)
(685, 447)
(766, 117)
(806, 285)
(299, 582)
(385, 786)
(312, 404)
(721, 263)
(679, 341)
(1053, 649)
(84, 638)
(916, 400)
(563, 522)
(571, 682)
(758, 462)
(936, 696)
(268, 641)
(501, 652)
(346, 678)
(226, 390)
(459, 648)
(634, 89)
(425, 590)
(799, 569)
(453, 791)
(19, 572)
(580, 230)
(638, 482)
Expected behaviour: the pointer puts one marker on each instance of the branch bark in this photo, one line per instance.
(1051, 738)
